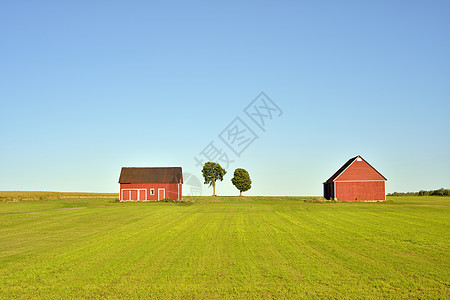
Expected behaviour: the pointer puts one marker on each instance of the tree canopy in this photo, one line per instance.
(241, 180)
(211, 173)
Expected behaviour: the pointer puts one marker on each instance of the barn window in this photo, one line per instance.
(152, 191)
(359, 159)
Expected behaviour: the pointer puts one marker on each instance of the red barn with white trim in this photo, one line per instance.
(150, 184)
(356, 180)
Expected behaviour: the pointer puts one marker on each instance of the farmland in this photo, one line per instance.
(224, 247)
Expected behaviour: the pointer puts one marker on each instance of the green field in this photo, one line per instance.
(224, 247)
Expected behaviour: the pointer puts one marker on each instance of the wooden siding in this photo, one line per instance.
(359, 170)
(356, 180)
(360, 191)
(134, 191)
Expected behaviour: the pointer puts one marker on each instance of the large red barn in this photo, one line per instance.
(150, 184)
(356, 180)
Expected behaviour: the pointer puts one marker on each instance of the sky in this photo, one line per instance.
(88, 87)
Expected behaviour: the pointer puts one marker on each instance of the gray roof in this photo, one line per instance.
(151, 175)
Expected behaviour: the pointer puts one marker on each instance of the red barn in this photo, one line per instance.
(150, 184)
(356, 180)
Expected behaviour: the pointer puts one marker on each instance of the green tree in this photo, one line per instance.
(241, 180)
(211, 173)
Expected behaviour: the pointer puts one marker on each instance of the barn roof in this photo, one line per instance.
(151, 175)
(346, 165)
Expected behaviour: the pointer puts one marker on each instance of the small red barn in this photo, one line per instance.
(356, 180)
(150, 184)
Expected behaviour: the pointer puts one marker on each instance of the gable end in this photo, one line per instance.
(357, 169)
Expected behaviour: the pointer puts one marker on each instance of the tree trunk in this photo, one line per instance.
(240, 194)
(214, 188)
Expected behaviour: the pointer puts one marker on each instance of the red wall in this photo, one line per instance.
(171, 191)
(359, 170)
(360, 191)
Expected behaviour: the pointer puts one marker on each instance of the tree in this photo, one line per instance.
(241, 180)
(211, 173)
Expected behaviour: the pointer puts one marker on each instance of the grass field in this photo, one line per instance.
(224, 247)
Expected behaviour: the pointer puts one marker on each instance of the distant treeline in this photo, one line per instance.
(440, 192)
(15, 196)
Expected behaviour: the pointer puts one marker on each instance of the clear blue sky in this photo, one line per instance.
(87, 87)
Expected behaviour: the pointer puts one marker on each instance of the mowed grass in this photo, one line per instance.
(225, 247)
